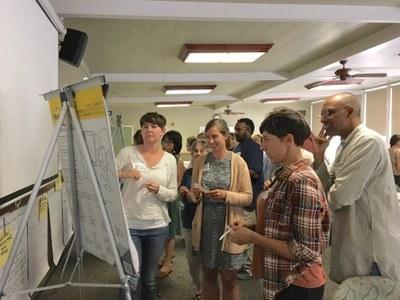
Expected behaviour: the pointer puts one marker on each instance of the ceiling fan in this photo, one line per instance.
(229, 111)
(344, 77)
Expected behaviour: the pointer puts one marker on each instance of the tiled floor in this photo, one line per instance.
(175, 287)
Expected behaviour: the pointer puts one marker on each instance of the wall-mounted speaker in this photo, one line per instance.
(73, 47)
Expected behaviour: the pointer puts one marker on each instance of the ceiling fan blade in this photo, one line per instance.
(237, 113)
(315, 84)
(333, 82)
(368, 75)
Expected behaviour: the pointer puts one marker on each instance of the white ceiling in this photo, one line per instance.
(136, 44)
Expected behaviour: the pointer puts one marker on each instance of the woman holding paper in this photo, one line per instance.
(149, 177)
(222, 185)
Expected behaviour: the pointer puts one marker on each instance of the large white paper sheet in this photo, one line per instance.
(56, 224)
(18, 277)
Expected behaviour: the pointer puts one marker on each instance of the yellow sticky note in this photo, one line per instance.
(90, 103)
(6, 240)
(43, 204)
(55, 108)
(59, 181)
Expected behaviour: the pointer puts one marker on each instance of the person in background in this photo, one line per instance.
(189, 142)
(221, 182)
(362, 195)
(394, 153)
(252, 154)
(268, 167)
(292, 216)
(137, 137)
(172, 143)
(257, 138)
(149, 177)
(201, 136)
(232, 143)
(199, 148)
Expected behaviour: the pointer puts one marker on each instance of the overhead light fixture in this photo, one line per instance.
(173, 104)
(188, 89)
(222, 53)
(280, 100)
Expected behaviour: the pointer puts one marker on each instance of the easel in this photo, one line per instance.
(68, 115)
(118, 132)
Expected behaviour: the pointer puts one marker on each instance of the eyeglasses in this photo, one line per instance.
(330, 113)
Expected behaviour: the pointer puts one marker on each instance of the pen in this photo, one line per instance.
(225, 233)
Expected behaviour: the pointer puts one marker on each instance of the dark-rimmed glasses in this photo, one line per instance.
(330, 113)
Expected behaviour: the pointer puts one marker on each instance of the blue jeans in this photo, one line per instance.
(151, 243)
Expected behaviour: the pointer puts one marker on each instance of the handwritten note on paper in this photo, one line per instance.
(43, 204)
(6, 240)
(55, 108)
(90, 103)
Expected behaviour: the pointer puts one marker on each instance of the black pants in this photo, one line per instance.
(397, 179)
(300, 293)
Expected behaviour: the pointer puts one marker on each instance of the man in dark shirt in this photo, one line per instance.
(252, 154)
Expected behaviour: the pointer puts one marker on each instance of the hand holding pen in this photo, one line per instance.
(227, 231)
(241, 235)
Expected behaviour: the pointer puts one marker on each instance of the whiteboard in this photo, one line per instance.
(29, 68)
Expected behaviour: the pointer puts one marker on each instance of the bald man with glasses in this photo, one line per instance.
(361, 194)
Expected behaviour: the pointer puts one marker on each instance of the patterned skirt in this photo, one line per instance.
(213, 226)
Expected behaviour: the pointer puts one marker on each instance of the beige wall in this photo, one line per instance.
(396, 110)
(69, 74)
(188, 120)
(376, 110)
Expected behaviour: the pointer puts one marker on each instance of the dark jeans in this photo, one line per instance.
(300, 293)
(397, 180)
(149, 245)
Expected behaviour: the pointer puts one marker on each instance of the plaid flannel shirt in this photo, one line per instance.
(296, 212)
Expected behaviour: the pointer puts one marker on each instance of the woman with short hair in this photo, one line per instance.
(149, 181)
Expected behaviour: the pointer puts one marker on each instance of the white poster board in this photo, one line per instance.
(56, 224)
(18, 277)
(37, 241)
(92, 114)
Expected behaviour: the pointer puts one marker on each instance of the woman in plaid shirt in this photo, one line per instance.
(292, 216)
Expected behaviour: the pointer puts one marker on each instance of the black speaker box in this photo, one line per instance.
(73, 47)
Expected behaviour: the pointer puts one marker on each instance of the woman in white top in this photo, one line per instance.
(149, 177)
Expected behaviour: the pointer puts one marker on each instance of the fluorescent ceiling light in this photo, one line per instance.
(173, 104)
(223, 57)
(280, 100)
(188, 89)
(222, 53)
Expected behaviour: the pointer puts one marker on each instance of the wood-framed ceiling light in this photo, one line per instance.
(188, 89)
(222, 53)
